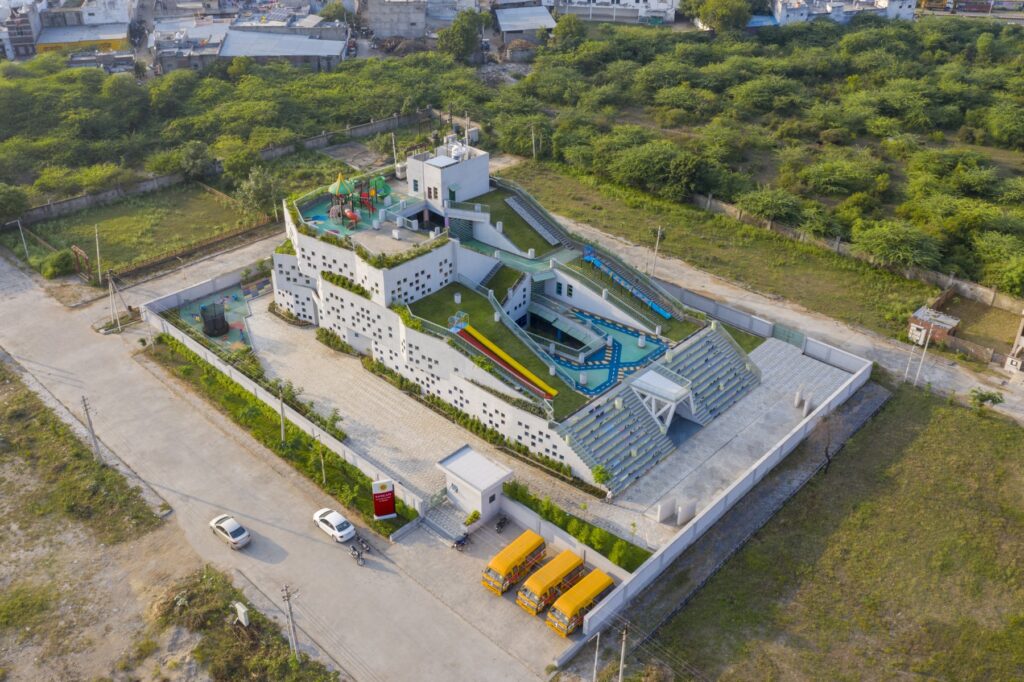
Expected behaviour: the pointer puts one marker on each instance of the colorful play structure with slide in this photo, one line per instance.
(590, 256)
(528, 379)
(349, 196)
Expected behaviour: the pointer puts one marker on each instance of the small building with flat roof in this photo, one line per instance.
(523, 23)
(473, 482)
(103, 37)
(927, 322)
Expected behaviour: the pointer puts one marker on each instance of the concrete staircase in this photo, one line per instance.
(620, 435)
(490, 274)
(446, 520)
(553, 234)
(719, 372)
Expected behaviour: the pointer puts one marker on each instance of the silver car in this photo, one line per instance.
(230, 531)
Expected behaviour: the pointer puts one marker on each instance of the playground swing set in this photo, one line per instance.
(348, 197)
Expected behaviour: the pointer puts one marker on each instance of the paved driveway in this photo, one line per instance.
(375, 620)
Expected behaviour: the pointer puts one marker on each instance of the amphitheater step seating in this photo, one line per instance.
(718, 372)
(627, 441)
(552, 234)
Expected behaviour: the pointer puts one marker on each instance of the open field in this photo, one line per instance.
(440, 305)
(513, 226)
(903, 559)
(136, 229)
(840, 287)
(983, 324)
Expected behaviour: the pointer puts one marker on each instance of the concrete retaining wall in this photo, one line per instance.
(605, 612)
(740, 320)
(151, 314)
(65, 207)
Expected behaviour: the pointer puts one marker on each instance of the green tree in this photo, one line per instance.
(13, 202)
(772, 204)
(569, 33)
(461, 40)
(894, 242)
(980, 398)
(601, 475)
(195, 161)
(334, 11)
(260, 191)
(724, 15)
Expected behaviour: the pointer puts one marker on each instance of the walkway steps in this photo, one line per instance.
(552, 234)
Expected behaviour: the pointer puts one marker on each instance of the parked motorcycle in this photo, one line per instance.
(500, 526)
(357, 555)
(362, 543)
(460, 543)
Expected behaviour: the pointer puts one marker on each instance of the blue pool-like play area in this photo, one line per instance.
(236, 308)
(606, 367)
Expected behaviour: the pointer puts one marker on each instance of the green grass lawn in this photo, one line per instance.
(513, 226)
(503, 280)
(440, 306)
(991, 327)
(136, 229)
(746, 340)
(818, 279)
(904, 560)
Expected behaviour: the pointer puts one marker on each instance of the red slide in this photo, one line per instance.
(504, 365)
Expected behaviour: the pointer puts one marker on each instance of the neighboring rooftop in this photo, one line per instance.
(82, 34)
(524, 19)
(253, 44)
(936, 318)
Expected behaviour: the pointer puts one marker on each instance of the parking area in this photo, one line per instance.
(454, 578)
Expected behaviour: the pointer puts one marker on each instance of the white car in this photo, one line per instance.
(230, 531)
(334, 524)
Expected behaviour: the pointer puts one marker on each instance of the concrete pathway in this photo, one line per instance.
(944, 375)
(376, 621)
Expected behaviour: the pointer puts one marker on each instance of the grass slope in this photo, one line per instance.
(820, 280)
(905, 559)
(136, 229)
(513, 226)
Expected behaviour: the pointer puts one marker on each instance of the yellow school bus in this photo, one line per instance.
(567, 613)
(549, 582)
(513, 563)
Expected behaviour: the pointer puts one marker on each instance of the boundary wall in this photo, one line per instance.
(151, 315)
(604, 613)
(965, 288)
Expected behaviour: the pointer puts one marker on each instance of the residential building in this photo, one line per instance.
(625, 11)
(102, 37)
(523, 23)
(402, 18)
(795, 11)
(23, 25)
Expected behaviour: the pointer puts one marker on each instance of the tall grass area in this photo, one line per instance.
(905, 559)
(820, 280)
(202, 603)
(136, 229)
(345, 482)
(74, 484)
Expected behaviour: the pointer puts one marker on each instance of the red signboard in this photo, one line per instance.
(384, 500)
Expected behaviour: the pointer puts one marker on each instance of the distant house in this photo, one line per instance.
(102, 37)
(1015, 360)
(523, 23)
(928, 323)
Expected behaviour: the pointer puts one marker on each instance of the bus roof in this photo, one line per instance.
(516, 550)
(552, 572)
(583, 592)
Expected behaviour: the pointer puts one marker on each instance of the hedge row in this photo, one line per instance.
(345, 482)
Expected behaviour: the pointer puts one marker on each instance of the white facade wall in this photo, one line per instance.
(294, 291)
(584, 297)
(472, 265)
(488, 234)
(461, 181)
(518, 298)
(421, 276)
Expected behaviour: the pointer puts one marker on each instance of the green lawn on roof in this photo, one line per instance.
(440, 306)
(514, 227)
(503, 280)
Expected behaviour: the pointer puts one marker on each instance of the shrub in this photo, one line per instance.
(57, 264)
(473, 517)
(619, 551)
(345, 283)
(329, 338)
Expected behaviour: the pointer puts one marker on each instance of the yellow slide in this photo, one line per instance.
(537, 381)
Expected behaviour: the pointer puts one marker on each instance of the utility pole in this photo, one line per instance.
(115, 319)
(287, 595)
(99, 270)
(622, 656)
(394, 149)
(280, 395)
(924, 353)
(92, 432)
(597, 651)
(21, 231)
(657, 243)
(910, 361)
